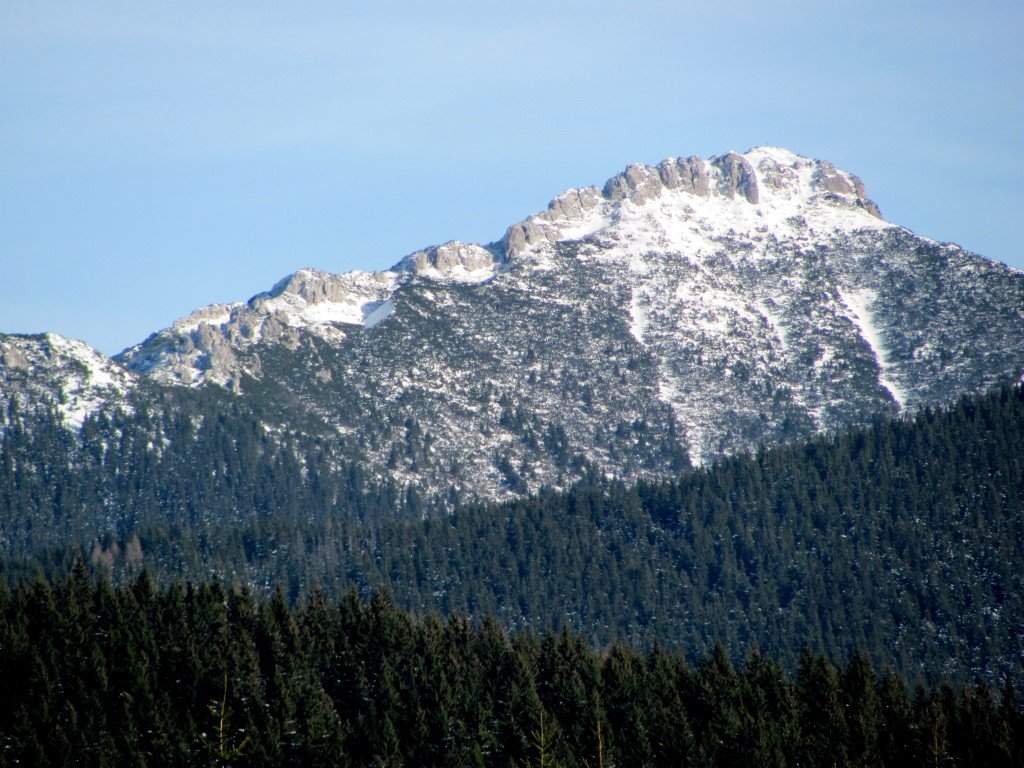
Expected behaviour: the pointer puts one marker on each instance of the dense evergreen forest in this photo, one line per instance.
(196, 675)
(196, 461)
(904, 539)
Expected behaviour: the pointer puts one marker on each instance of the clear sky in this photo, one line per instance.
(157, 157)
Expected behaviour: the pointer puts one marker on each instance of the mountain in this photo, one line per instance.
(685, 311)
(333, 430)
(62, 373)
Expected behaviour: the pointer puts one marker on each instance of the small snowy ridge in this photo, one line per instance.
(297, 312)
(82, 395)
(215, 315)
(857, 302)
(312, 298)
(452, 262)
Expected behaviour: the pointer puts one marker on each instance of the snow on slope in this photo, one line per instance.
(202, 348)
(702, 263)
(64, 373)
(714, 304)
(859, 303)
(648, 207)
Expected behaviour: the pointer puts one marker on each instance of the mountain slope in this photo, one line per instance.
(65, 374)
(904, 539)
(689, 309)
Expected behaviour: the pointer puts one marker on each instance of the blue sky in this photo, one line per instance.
(157, 157)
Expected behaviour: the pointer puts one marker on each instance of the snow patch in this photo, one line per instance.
(380, 313)
(638, 318)
(858, 303)
(80, 395)
(459, 274)
(585, 228)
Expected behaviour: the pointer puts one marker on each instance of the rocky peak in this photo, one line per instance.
(691, 308)
(687, 173)
(736, 175)
(453, 259)
(763, 177)
(680, 197)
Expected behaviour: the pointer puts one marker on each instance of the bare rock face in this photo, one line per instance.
(693, 176)
(572, 204)
(315, 286)
(12, 357)
(526, 234)
(828, 178)
(870, 207)
(448, 257)
(668, 170)
(737, 176)
(858, 187)
(779, 179)
(638, 183)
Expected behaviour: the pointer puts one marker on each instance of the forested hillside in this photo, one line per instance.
(187, 676)
(202, 463)
(905, 539)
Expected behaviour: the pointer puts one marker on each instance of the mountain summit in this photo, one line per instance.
(684, 311)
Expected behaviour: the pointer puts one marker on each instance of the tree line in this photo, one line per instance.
(202, 674)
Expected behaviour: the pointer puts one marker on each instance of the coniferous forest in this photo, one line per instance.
(903, 539)
(237, 598)
(192, 675)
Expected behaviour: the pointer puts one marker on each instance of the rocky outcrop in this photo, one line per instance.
(11, 357)
(693, 176)
(314, 286)
(638, 184)
(570, 207)
(573, 204)
(450, 257)
(831, 180)
(737, 176)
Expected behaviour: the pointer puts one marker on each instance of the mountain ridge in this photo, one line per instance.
(686, 310)
(571, 215)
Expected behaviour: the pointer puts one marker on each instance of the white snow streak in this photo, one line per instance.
(858, 302)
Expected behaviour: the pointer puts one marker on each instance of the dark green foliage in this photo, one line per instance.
(903, 540)
(175, 482)
(198, 675)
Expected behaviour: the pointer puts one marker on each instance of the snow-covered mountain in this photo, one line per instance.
(689, 309)
(67, 374)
